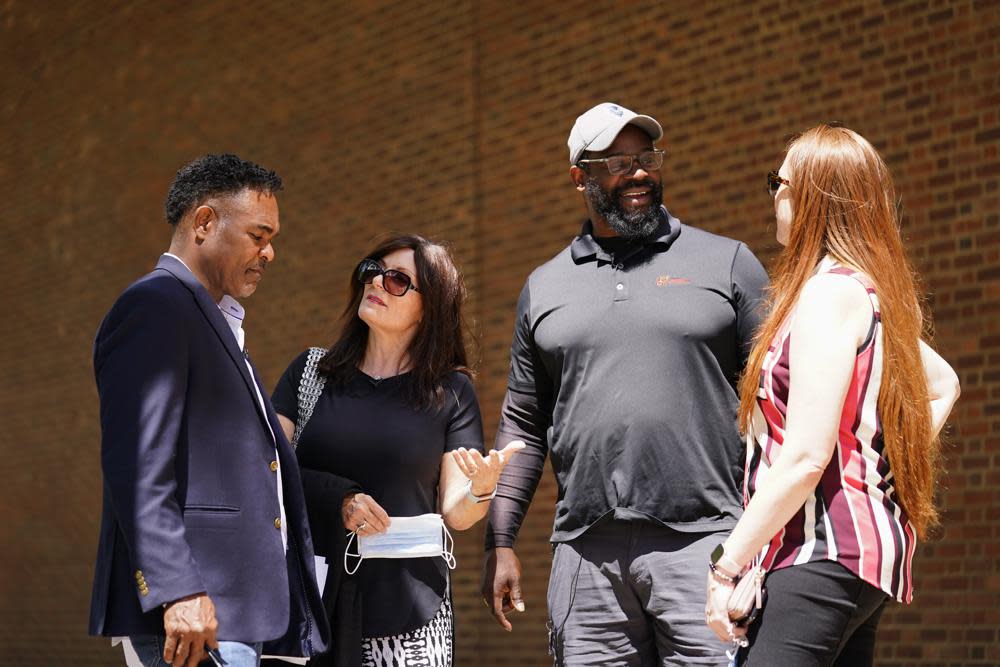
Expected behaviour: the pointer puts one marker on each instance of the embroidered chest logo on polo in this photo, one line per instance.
(663, 281)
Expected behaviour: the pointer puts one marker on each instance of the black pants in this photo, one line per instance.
(816, 615)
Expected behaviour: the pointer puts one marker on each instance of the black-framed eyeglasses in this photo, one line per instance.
(394, 282)
(617, 165)
(774, 182)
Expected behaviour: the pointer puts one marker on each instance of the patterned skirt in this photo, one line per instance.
(427, 646)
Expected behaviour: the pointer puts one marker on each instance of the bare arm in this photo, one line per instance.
(832, 320)
(942, 386)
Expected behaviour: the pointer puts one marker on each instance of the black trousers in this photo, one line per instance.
(816, 615)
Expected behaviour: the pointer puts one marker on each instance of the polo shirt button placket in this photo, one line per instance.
(620, 282)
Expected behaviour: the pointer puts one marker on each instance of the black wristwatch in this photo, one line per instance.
(717, 553)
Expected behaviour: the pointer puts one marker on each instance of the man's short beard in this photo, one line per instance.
(631, 225)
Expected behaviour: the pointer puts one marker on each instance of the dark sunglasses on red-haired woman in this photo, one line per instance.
(774, 182)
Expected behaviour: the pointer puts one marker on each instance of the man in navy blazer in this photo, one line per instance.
(204, 549)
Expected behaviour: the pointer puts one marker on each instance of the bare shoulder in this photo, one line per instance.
(832, 301)
(837, 290)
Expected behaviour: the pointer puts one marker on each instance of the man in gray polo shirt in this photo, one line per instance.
(627, 349)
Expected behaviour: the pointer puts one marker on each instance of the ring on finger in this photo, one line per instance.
(361, 526)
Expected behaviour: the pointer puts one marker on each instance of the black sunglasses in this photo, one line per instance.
(774, 182)
(394, 282)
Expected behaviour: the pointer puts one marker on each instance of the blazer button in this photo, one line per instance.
(277, 523)
(274, 466)
(138, 575)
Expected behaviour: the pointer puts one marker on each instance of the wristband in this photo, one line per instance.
(479, 499)
(718, 554)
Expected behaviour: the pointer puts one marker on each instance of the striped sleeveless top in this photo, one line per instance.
(853, 516)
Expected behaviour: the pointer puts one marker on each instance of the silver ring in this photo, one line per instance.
(361, 527)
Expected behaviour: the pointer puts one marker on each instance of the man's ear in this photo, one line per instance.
(579, 177)
(203, 221)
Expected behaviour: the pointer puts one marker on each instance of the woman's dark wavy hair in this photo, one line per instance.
(437, 348)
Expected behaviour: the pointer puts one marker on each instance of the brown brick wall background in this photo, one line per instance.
(450, 118)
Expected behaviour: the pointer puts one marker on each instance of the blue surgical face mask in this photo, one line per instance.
(421, 536)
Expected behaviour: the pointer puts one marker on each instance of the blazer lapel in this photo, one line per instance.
(215, 318)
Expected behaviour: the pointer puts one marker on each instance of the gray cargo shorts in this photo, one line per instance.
(632, 593)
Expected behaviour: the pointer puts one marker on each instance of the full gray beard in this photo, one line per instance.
(632, 226)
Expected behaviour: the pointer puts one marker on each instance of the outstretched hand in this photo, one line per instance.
(484, 471)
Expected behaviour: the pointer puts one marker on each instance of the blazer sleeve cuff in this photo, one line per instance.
(165, 592)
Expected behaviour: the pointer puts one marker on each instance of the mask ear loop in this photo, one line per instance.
(347, 552)
(448, 550)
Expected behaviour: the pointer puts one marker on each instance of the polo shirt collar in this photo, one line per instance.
(584, 247)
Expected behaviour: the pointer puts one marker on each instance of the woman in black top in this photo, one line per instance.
(397, 432)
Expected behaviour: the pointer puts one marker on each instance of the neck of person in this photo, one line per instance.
(191, 262)
(386, 354)
(842, 259)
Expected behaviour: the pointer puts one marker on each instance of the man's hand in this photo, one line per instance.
(190, 624)
(501, 585)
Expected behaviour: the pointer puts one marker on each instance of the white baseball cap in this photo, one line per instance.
(598, 127)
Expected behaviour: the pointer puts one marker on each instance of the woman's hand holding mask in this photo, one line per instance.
(362, 515)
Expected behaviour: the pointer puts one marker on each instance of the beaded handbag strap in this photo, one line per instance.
(310, 387)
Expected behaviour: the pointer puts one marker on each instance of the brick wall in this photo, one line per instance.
(450, 119)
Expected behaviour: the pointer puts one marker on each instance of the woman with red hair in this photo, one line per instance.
(842, 402)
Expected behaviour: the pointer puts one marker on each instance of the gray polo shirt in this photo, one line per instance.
(625, 369)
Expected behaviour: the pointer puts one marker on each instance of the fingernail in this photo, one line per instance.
(519, 606)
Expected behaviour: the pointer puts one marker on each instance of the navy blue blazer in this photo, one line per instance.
(190, 493)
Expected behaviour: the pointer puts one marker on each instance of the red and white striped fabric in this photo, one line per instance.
(854, 516)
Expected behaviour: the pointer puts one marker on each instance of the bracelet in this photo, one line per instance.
(729, 564)
(722, 576)
(479, 499)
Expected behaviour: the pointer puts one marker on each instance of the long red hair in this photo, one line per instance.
(844, 205)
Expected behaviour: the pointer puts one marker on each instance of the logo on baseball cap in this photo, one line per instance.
(598, 127)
